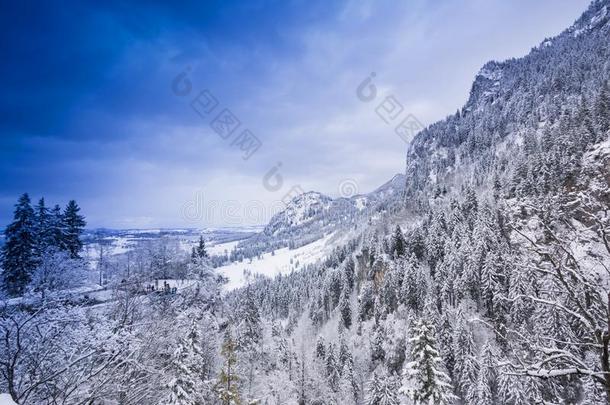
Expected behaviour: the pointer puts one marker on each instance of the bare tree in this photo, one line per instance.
(46, 355)
(574, 290)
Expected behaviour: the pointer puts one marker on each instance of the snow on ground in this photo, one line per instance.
(5, 399)
(221, 248)
(179, 284)
(282, 262)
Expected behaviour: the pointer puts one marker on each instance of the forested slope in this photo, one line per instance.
(491, 286)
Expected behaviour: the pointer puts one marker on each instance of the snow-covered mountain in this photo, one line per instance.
(312, 215)
(316, 209)
(302, 210)
(515, 104)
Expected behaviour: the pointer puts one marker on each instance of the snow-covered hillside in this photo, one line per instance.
(481, 277)
(280, 261)
(313, 215)
(313, 210)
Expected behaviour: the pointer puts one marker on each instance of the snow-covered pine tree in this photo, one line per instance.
(333, 371)
(517, 390)
(586, 128)
(366, 301)
(75, 224)
(487, 384)
(492, 273)
(414, 284)
(185, 369)
(18, 251)
(466, 364)
(344, 351)
(382, 390)
(425, 381)
(520, 287)
(249, 336)
(249, 329)
(57, 228)
(470, 205)
(445, 342)
(602, 110)
(42, 228)
(415, 244)
(282, 351)
(435, 241)
(345, 309)
(320, 348)
(377, 350)
(349, 387)
(227, 387)
(397, 246)
(349, 272)
(200, 251)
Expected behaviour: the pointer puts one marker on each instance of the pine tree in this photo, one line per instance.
(491, 272)
(249, 335)
(75, 224)
(344, 352)
(445, 342)
(486, 385)
(320, 348)
(42, 228)
(185, 369)
(349, 271)
(602, 110)
(466, 365)
(484, 395)
(332, 369)
(414, 284)
(349, 385)
(383, 390)
(57, 228)
(425, 381)
(377, 350)
(374, 390)
(345, 309)
(281, 345)
(229, 380)
(249, 329)
(586, 128)
(521, 309)
(470, 204)
(18, 252)
(398, 247)
(417, 244)
(303, 380)
(366, 301)
(200, 251)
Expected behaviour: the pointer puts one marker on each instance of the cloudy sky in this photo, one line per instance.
(93, 108)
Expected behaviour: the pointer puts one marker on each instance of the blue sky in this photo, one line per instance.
(87, 109)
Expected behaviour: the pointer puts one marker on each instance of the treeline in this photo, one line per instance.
(35, 232)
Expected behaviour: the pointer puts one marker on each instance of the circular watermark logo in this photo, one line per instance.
(348, 188)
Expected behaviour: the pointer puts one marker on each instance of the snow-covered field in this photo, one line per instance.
(117, 242)
(283, 261)
(221, 248)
